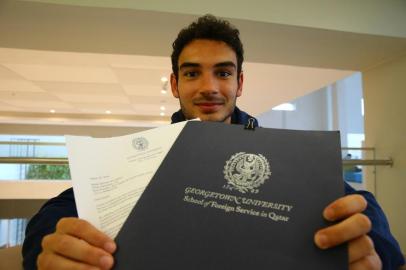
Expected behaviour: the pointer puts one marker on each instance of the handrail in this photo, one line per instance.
(368, 162)
(358, 148)
(63, 144)
(33, 160)
(32, 143)
(64, 161)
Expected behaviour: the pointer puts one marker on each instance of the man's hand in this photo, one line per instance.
(352, 228)
(76, 244)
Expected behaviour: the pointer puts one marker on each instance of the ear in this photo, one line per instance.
(240, 84)
(174, 86)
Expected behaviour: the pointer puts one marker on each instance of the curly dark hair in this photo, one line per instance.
(212, 28)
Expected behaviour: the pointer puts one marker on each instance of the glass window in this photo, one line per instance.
(29, 146)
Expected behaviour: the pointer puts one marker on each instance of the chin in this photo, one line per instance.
(213, 118)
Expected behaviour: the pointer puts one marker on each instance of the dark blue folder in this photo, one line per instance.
(229, 198)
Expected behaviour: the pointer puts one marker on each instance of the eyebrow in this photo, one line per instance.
(221, 64)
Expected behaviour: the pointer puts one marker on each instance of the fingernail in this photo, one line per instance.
(329, 214)
(110, 247)
(106, 262)
(321, 240)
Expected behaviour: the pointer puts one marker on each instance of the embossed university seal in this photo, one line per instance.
(140, 143)
(246, 172)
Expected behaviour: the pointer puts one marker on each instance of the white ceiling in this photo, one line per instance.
(38, 81)
(129, 85)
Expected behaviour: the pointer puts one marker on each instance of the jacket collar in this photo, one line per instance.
(238, 117)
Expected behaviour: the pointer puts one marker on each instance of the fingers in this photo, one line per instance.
(359, 248)
(76, 244)
(82, 229)
(345, 207)
(47, 260)
(352, 228)
(348, 229)
(77, 249)
(370, 262)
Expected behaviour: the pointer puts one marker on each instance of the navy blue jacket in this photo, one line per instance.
(44, 222)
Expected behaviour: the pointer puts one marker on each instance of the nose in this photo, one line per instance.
(209, 84)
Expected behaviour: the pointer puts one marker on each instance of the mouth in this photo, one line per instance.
(209, 107)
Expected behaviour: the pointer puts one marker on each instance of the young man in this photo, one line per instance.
(207, 79)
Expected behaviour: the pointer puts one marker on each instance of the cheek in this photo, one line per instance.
(230, 91)
(187, 91)
(185, 95)
(185, 98)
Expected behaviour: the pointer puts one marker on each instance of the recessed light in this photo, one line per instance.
(108, 112)
(163, 108)
(164, 79)
(163, 91)
(162, 114)
(52, 111)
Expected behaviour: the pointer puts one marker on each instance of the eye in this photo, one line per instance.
(224, 74)
(190, 74)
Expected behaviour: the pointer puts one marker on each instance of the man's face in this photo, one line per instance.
(208, 84)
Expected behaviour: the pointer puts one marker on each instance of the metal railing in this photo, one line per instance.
(33, 160)
(64, 160)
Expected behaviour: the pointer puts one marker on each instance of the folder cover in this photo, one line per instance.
(229, 198)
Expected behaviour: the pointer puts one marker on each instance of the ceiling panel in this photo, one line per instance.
(31, 96)
(101, 106)
(52, 73)
(145, 89)
(8, 107)
(19, 86)
(153, 109)
(44, 105)
(151, 100)
(7, 74)
(115, 111)
(112, 89)
(94, 98)
(141, 76)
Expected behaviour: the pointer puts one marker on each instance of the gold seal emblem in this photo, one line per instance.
(246, 172)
